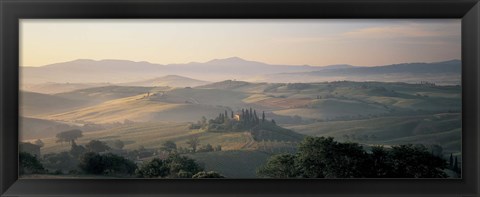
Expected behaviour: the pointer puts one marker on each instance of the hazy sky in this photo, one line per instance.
(315, 42)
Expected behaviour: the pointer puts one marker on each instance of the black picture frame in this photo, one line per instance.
(13, 10)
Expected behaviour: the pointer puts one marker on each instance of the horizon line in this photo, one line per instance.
(233, 57)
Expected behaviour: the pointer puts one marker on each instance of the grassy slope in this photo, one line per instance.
(152, 135)
(32, 128)
(35, 104)
(443, 129)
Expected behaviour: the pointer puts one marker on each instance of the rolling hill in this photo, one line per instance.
(447, 72)
(101, 94)
(442, 129)
(55, 88)
(32, 128)
(33, 104)
(169, 80)
(139, 109)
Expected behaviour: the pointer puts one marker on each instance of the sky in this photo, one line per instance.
(316, 42)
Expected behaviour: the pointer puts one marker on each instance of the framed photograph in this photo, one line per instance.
(239, 98)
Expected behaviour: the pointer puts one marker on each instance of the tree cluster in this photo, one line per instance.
(69, 136)
(453, 164)
(106, 164)
(29, 164)
(320, 157)
(245, 119)
(174, 166)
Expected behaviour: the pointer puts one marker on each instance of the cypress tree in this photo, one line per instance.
(451, 161)
(243, 114)
(232, 115)
(455, 166)
(263, 116)
(251, 114)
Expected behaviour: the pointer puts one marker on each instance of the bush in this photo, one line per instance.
(204, 175)
(280, 166)
(108, 164)
(63, 162)
(174, 166)
(156, 168)
(29, 164)
(320, 157)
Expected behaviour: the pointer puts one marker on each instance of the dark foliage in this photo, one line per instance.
(206, 175)
(320, 157)
(97, 146)
(280, 166)
(69, 136)
(61, 162)
(175, 166)
(107, 164)
(29, 164)
(156, 168)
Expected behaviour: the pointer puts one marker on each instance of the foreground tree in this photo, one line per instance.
(325, 158)
(29, 164)
(69, 136)
(156, 168)
(62, 162)
(415, 161)
(181, 165)
(107, 164)
(175, 166)
(206, 175)
(280, 166)
(320, 157)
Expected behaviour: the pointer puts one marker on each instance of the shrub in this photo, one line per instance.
(29, 164)
(204, 175)
(108, 164)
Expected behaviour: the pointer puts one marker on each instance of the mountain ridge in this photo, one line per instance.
(125, 71)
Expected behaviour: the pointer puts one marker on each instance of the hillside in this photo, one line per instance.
(106, 93)
(32, 128)
(442, 129)
(33, 104)
(55, 88)
(169, 80)
(139, 109)
(152, 134)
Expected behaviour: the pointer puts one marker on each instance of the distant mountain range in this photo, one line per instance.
(145, 73)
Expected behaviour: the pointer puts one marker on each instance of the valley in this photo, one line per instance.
(144, 117)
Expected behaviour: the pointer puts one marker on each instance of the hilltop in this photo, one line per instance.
(169, 80)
